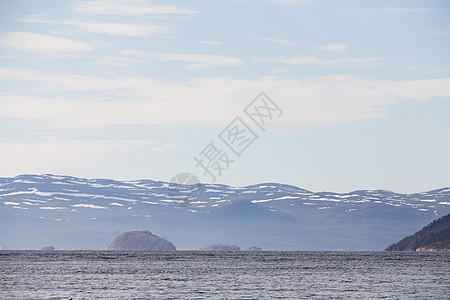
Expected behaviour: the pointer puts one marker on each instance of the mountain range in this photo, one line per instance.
(78, 213)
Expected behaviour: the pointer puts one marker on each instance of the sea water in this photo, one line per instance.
(223, 275)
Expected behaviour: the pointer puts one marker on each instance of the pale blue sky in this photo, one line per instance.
(135, 89)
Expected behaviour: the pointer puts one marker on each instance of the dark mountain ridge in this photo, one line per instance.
(435, 235)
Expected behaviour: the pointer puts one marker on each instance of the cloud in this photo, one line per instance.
(314, 60)
(169, 145)
(111, 28)
(9, 56)
(120, 29)
(36, 18)
(201, 59)
(42, 43)
(115, 61)
(213, 43)
(196, 61)
(127, 8)
(159, 149)
(133, 52)
(338, 48)
(415, 69)
(278, 41)
(406, 9)
(289, 2)
(126, 100)
(164, 148)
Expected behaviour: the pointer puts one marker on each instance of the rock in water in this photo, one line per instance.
(221, 248)
(253, 249)
(439, 246)
(48, 248)
(139, 241)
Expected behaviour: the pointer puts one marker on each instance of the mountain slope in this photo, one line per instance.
(434, 235)
(77, 213)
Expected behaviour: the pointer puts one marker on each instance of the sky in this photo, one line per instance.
(356, 94)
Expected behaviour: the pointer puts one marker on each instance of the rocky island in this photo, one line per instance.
(141, 241)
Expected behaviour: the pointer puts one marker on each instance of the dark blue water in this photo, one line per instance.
(231, 275)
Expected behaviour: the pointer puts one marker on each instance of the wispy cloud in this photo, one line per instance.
(159, 149)
(120, 29)
(278, 41)
(289, 2)
(36, 18)
(127, 8)
(125, 100)
(201, 60)
(314, 60)
(134, 52)
(213, 43)
(406, 9)
(195, 61)
(42, 43)
(338, 48)
(111, 28)
(116, 61)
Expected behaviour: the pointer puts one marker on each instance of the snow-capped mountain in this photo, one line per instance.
(77, 213)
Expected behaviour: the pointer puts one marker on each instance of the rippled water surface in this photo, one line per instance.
(219, 275)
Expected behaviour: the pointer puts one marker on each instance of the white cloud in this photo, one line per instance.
(278, 41)
(127, 7)
(289, 2)
(169, 145)
(201, 59)
(120, 29)
(9, 56)
(139, 100)
(42, 43)
(415, 69)
(314, 60)
(159, 149)
(213, 43)
(406, 9)
(115, 61)
(164, 148)
(133, 52)
(196, 61)
(338, 48)
(36, 18)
